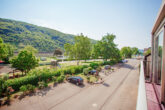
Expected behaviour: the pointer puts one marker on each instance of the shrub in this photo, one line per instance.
(36, 75)
(30, 87)
(67, 76)
(85, 66)
(2, 89)
(62, 76)
(112, 62)
(85, 71)
(60, 79)
(6, 77)
(45, 84)
(88, 79)
(107, 63)
(78, 69)
(54, 78)
(94, 65)
(100, 63)
(56, 73)
(73, 70)
(67, 71)
(8, 92)
(98, 68)
(89, 68)
(41, 84)
(24, 89)
(18, 82)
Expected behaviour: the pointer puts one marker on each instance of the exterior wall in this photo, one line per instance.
(163, 71)
(158, 73)
(159, 27)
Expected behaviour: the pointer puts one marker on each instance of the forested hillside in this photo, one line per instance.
(44, 39)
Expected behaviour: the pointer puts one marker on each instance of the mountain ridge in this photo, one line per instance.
(19, 34)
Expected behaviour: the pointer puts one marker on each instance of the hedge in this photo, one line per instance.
(41, 75)
(94, 65)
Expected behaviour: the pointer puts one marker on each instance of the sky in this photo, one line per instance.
(130, 20)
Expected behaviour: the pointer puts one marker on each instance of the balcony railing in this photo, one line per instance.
(141, 99)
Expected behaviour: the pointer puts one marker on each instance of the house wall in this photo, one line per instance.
(157, 72)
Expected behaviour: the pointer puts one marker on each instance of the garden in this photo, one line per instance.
(33, 73)
(40, 78)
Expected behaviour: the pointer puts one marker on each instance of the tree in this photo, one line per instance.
(3, 50)
(69, 51)
(135, 51)
(116, 55)
(107, 47)
(25, 61)
(10, 51)
(57, 52)
(82, 47)
(81, 50)
(31, 49)
(126, 52)
(6, 51)
(95, 51)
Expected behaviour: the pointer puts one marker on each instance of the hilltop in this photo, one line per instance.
(20, 34)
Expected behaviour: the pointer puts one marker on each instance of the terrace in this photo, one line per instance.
(151, 93)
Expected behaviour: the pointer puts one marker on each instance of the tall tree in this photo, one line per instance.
(82, 47)
(80, 50)
(135, 51)
(69, 51)
(3, 51)
(126, 52)
(10, 51)
(107, 46)
(6, 51)
(96, 51)
(116, 55)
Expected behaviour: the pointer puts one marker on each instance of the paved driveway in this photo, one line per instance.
(118, 92)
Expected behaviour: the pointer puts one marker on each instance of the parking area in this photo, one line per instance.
(118, 92)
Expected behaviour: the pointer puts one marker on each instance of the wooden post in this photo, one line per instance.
(163, 71)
